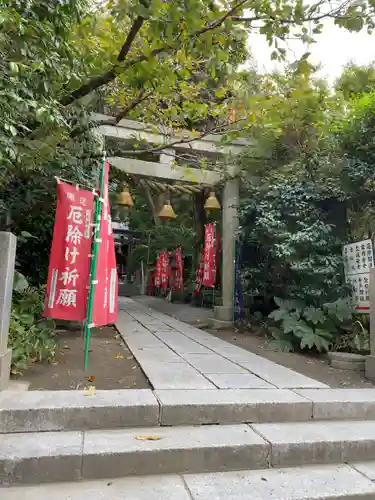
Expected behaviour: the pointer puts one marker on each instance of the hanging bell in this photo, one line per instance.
(167, 212)
(124, 199)
(212, 203)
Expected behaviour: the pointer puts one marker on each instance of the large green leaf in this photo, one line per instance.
(20, 283)
(315, 315)
(320, 339)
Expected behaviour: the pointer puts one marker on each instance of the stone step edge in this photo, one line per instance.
(70, 456)
(331, 482)
(38, 411)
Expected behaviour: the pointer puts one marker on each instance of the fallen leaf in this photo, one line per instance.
(118, 356)
(91, 378)
(134, 368)
(129, 357)
(90, 390)
(148, 438)
(54, 363)
(66, 347)
(110, 483)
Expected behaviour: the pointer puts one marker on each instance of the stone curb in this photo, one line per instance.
(72, 456)
(37, 411)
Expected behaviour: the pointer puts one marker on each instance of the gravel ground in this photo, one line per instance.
(111, 364)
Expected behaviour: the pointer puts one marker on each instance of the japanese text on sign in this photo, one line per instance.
(358, 260)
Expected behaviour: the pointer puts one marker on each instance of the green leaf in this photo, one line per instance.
(314, 314)
(20, 283)
(320, 339)
(279, 314)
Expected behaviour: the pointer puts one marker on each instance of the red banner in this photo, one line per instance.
(198, 278)
(157, 278)
(69, 265)
(179, 272)
(217, 258)
(106, 286)
(164, 265)
(209, 255)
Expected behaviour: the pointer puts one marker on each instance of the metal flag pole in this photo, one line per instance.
(94, 259)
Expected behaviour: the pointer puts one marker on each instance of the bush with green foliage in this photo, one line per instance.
(307, 327)
(31, 337)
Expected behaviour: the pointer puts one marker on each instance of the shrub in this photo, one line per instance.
(309, 327)
(31, 337)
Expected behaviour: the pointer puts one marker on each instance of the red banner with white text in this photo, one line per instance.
(157, 277)
(209, 255)
(106, 281)
(164, 270)
(69, 265)
(179, 271)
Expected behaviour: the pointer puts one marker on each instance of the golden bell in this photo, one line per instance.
(167, 212)
(124, 199)
(212, 202)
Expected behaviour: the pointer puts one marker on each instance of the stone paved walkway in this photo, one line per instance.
(195, 316)
(175, 355)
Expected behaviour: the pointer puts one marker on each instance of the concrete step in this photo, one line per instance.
(67, 456)
(36, 411)
(342, 482)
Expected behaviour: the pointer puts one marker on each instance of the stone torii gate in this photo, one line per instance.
(170, 153)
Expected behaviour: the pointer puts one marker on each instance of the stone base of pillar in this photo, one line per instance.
(223, 313)
(370, 367)
(216, 324)
(5, 361)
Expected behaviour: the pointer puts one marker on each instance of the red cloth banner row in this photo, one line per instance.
(164, 275)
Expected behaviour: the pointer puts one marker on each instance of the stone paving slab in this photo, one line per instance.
(180, 449)
(200, 351)
(319, 442)
(212, 363)
(231, 406)
(169, 487)
(340, 404)
(151, 355)
(278, 375)
(238, 381)
(36, 411)
(175, 376)
(365, 468)
(310, 483)
(40, 457)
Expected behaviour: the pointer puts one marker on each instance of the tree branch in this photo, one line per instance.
(142, 96)
(110, 75)
(98, 81)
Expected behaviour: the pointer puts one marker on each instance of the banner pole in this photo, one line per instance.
(94, 258)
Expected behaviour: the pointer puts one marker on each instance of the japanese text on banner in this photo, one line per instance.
(68, 272)
(209, 256)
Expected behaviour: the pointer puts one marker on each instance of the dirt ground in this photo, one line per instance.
(111, 364)
(316, 367)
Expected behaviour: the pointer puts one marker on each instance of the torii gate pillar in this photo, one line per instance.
(224, 313)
